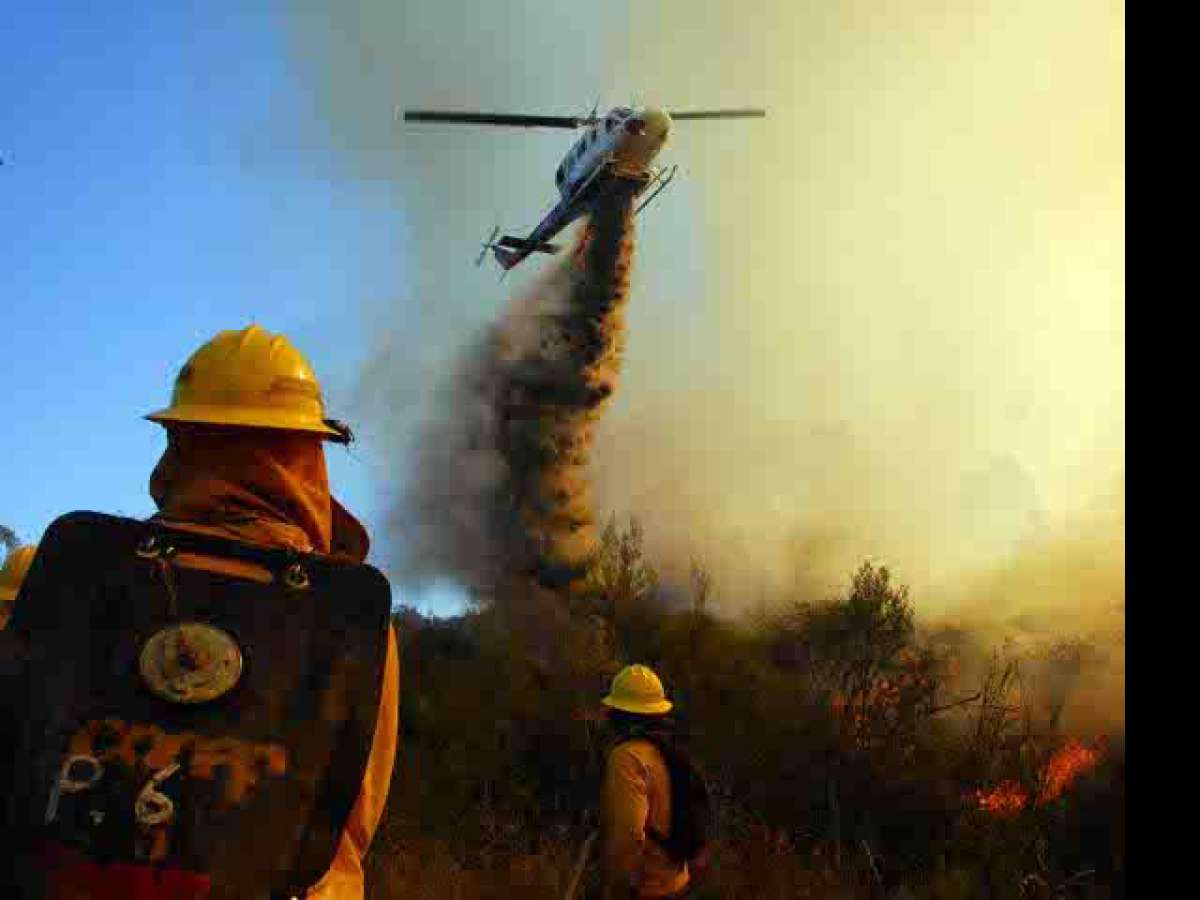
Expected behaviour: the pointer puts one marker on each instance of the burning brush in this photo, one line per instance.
(1008, 799)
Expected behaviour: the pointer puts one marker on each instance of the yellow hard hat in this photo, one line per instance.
(15, 568)
(249, 378)
(637, 689)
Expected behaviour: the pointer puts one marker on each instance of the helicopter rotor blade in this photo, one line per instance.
(482, 118)
(717, 114)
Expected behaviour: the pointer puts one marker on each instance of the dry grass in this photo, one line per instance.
(425, 869)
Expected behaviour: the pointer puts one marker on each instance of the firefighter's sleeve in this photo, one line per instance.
(626, 806)
(344, 880)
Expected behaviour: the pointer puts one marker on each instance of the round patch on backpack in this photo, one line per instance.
(190, 663)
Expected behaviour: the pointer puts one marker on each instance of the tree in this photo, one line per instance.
(9, 538)
(619, 585)
(620, 577)
(848, 643)
(859, 653)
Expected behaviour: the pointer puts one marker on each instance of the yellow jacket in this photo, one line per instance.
(637, 791)
(344, 880)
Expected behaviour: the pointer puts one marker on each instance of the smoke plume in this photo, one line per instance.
(886, 321)
(500, 484)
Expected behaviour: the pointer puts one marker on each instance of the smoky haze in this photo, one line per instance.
(887, 321)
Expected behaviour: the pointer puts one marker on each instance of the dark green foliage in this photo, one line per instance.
(846, 644)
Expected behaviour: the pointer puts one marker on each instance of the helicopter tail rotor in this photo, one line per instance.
(489, 244)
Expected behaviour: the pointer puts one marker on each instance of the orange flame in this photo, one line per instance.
(1064, 767)
(1004, 801)
(1007, 799)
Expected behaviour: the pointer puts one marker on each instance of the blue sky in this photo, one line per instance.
(884, 256)
(165, 177)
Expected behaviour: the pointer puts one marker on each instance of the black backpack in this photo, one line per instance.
(691, 804)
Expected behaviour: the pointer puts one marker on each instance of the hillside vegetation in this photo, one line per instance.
(846, 757)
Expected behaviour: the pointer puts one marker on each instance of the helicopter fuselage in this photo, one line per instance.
(622, 144)
(627, 140)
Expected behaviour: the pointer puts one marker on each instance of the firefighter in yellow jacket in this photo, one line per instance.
(241, 738)
(16, 564)
(636, 800)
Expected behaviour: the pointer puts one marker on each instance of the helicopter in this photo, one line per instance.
(622, 144)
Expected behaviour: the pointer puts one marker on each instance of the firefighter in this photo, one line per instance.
(636, 814)
(231, 729)
(16, 564)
